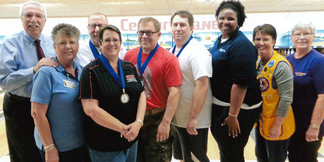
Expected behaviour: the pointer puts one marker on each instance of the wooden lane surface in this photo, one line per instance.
(3, 138)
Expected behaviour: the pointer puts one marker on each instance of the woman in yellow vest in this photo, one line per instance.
(275, 76)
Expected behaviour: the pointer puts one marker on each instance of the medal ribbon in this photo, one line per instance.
(120, 80)
(139, 59)
(182, 47)
(94, 50)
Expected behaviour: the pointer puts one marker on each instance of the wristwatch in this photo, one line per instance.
(315, 126)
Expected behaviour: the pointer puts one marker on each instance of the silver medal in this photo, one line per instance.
(124, 98)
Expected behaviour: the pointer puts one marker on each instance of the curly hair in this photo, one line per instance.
(65, 30)
(236, 6)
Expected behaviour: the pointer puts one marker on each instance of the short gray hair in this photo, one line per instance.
(32, 3)
(67, 30)
(304, 25)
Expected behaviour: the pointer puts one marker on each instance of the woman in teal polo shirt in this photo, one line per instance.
(56, 108)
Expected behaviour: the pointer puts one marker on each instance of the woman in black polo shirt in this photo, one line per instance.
(236, 93)
(113, 99)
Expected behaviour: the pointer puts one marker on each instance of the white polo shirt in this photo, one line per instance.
(195, 62)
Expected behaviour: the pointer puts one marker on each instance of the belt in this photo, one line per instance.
(154, 111)
(244, 105)
(15, 97)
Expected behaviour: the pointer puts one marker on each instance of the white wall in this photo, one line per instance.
(282, 21)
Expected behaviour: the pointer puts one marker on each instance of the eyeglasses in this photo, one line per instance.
(148, 33)
(306, 35)
(63, 44)
(93, 26)
(30, 15)
(115, 41)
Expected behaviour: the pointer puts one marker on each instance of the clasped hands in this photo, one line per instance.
(130, 131)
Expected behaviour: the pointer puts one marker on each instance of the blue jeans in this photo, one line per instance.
(270, 151)
(232, 149)
(128, 155)
(76, 155)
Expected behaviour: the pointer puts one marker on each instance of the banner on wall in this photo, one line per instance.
(205, 27)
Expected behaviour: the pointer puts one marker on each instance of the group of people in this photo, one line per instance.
(95, 101)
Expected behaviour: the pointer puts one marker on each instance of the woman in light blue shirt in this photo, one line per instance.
(56, 108)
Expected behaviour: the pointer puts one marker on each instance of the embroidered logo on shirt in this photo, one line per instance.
(221, 50)
(264, 84)
(300, 74)
(130, 78)
(69, 84)
(131, 65)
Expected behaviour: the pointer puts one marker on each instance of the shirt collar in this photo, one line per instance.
(32, 40)
(77, 68)
(29, 38)
(233, 36)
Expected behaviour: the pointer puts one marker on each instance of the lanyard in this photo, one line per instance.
(118, 79)
(139, 59)
(94, 50)
(182, 47)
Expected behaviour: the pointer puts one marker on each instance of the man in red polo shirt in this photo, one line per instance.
(161, 76)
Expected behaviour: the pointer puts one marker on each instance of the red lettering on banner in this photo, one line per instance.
(206, 25)
(132, 26)
(215, 24)
(165, 25)
(198, 25)
(122, 26)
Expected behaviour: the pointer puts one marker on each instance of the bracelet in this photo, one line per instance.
(315, 126)
(122, 132)
(49, 147)
(140, 121)
(232, 114)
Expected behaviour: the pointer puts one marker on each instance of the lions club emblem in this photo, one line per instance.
(264, 84)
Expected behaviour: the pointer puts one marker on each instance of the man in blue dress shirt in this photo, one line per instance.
(18, 63)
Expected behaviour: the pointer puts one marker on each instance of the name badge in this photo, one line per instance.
(69, 84)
